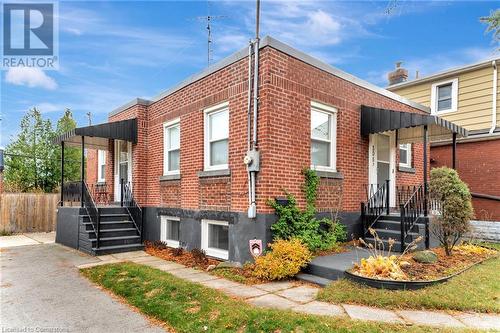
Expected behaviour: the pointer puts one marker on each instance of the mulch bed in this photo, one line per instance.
(180, 256)
(445, 265)
(193, 259)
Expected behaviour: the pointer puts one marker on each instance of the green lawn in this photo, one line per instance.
(477, 289)
(190, 307)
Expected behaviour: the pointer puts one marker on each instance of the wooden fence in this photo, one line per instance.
(28, 212)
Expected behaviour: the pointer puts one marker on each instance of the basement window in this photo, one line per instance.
(444, 97)
(215, 238)
(405, 155)
(323, 137)
(217, 137)
(171, 147)
(170, 230)
(101, 166)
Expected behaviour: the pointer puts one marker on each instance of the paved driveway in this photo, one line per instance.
(40, 288)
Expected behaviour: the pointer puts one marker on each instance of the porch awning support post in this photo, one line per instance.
(82, 176)
(426, 189)
(62, 173)
(454, 151)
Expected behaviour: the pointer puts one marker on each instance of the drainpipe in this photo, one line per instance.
(494, 92)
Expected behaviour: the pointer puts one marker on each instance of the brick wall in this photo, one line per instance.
(287, 87)
(91, 166)
(478, 165)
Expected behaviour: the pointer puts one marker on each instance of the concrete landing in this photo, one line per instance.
(332, 267)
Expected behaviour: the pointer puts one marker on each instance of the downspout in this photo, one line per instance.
(495, 96)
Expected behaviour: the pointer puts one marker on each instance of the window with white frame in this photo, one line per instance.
(217, 137)
(101, 166)
(172, 147)
(323, 137)
(215, 238)
(444, 96)
(170, 230)
(405, 155)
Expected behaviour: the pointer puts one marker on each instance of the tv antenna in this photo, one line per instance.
(208, 19)
(393, 6)
(89, 116)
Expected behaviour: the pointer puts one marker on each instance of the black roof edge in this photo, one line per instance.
(119, 130)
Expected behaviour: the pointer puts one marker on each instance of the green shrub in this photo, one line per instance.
(316, 234)
(286, 259)
(456, 208)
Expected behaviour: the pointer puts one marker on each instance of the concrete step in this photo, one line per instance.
(110, 217)
(394, 234)
(113, 225)
(397, 244)
(332, 267)
(114, 232)
(117, 249)
(113, 210)
(313, 279)
(116, 241)
(383, 223)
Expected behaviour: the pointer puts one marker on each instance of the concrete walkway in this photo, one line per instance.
(31, 238)
(301, 298)
(42, 291)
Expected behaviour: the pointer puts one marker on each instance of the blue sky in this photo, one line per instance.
(111, 52)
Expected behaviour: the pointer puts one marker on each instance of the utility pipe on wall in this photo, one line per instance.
(252, 159)
(249, 115)
(494, 96)
(256, 76)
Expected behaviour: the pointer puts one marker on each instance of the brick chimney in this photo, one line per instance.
(398, 75)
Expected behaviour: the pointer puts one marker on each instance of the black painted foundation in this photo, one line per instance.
(241, 228)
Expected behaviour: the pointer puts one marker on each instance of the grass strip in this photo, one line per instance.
(191, 307)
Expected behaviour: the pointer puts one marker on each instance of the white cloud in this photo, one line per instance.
(31, 77)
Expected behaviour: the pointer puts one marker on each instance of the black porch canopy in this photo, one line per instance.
(97, 136)
(409, 125)
(411, 128)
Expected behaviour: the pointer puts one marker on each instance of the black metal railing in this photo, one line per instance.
(93, 212)
(376, 205)
(71, 192)
(128, 201)
(412, 210)
(403, 193)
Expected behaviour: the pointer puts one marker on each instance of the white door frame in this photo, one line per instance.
(372, 163)
(117, 188)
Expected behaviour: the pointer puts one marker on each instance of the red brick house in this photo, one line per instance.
(185, 161)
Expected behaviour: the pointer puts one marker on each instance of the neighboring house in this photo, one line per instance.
(182, 154)
(468, 96)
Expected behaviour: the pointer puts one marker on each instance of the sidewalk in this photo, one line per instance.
(299, 297)
(32, 238)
